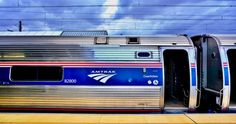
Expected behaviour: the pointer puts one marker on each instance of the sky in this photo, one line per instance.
(121, 17)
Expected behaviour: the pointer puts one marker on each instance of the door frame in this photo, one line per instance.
(193, 100)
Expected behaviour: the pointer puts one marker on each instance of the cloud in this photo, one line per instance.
(173, 19)
(122, 16)
(121, 27)
(49, 17)
(111, 7)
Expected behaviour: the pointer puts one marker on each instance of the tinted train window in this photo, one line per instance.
(36, 73)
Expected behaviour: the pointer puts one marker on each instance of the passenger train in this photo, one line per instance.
(98, 73)
(105, 73)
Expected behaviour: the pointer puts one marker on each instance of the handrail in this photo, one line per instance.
(221, 96)
(213, 91)
(199, 99)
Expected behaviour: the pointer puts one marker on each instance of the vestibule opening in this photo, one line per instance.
(177, 78)
(232, 65)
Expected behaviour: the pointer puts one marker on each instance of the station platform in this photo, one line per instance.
(52, 118)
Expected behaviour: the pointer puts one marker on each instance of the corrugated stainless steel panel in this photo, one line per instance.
(74, 53)
(80, 97)
(84, 33)
(55, 33)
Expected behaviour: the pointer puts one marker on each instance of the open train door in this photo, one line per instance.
(180, 76)
(228, 55)
(213, 73)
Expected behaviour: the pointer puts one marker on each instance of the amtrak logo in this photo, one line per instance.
(102, 76)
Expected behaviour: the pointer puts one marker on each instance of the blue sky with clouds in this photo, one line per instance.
(145, 17)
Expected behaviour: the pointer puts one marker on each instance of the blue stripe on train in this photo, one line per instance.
(98, 77)
(194, 78)
(226, 73)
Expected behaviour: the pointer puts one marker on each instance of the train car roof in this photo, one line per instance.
(32, 33)
(223, 39)
(57, 37)
(226, 39)
(56, 33)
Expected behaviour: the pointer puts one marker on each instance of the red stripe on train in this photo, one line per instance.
(81, 64)
(225, 64)
(193, 65)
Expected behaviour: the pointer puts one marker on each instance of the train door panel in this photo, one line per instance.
(225, 92)
(195, 92)
(213, 87)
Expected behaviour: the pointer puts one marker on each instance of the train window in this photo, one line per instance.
(143, 55)
(133, 40)
(36, 73)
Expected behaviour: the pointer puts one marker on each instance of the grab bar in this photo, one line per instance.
(213, 91)
(221, 96)
(199, 98)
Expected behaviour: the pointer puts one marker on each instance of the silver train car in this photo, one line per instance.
(217, 70)
(98, 73)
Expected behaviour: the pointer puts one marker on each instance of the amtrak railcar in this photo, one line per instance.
(97, 73)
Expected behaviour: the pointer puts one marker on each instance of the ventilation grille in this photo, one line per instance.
(84, 33)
